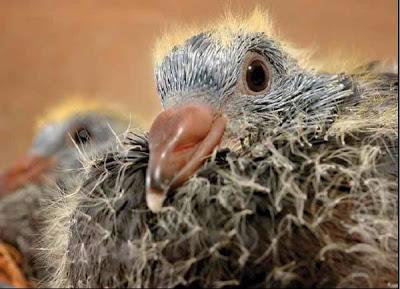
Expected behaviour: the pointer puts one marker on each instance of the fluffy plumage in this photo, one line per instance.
(19, 219)
(291, 209)
(20, 210)
(75, 105)
(302, 192)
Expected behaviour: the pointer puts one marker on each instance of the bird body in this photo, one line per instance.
(325, 216)
(301, 190)
(59, 138)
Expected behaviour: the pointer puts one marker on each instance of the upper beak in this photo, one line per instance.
(180, 139)
(27, 169)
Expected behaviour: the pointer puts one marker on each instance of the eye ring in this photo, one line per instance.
(256, 75)
(81, 135)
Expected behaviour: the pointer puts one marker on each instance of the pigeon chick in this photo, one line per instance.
(62, 135)
(69, 132)
(261, 172)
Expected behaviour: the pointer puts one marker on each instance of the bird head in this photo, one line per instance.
(64, 134)
(219, 84)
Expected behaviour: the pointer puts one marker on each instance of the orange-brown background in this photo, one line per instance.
(50, 49)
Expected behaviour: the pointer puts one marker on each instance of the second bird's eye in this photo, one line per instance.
(81, 135)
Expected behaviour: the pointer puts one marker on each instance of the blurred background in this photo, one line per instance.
(50, 50)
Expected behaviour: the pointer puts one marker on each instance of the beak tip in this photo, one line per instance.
(155, 201)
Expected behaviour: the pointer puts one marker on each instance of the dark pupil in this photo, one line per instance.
(82, 135)
(256, 77)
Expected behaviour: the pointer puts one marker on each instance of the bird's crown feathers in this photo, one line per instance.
(222, 30)
(72, 106)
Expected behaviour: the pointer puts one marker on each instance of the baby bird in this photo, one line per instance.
(63, 134)
(70, 132)
(261, 172)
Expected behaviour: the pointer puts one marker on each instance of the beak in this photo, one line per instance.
(27, 169)
(180, 139)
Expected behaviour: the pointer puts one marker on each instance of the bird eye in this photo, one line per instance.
(81, 135)
(256, 77)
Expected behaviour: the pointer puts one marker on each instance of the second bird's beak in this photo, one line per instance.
(180, 139)
(27, 169)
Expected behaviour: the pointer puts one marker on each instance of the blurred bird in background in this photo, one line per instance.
(262, 171)
(70, 132)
